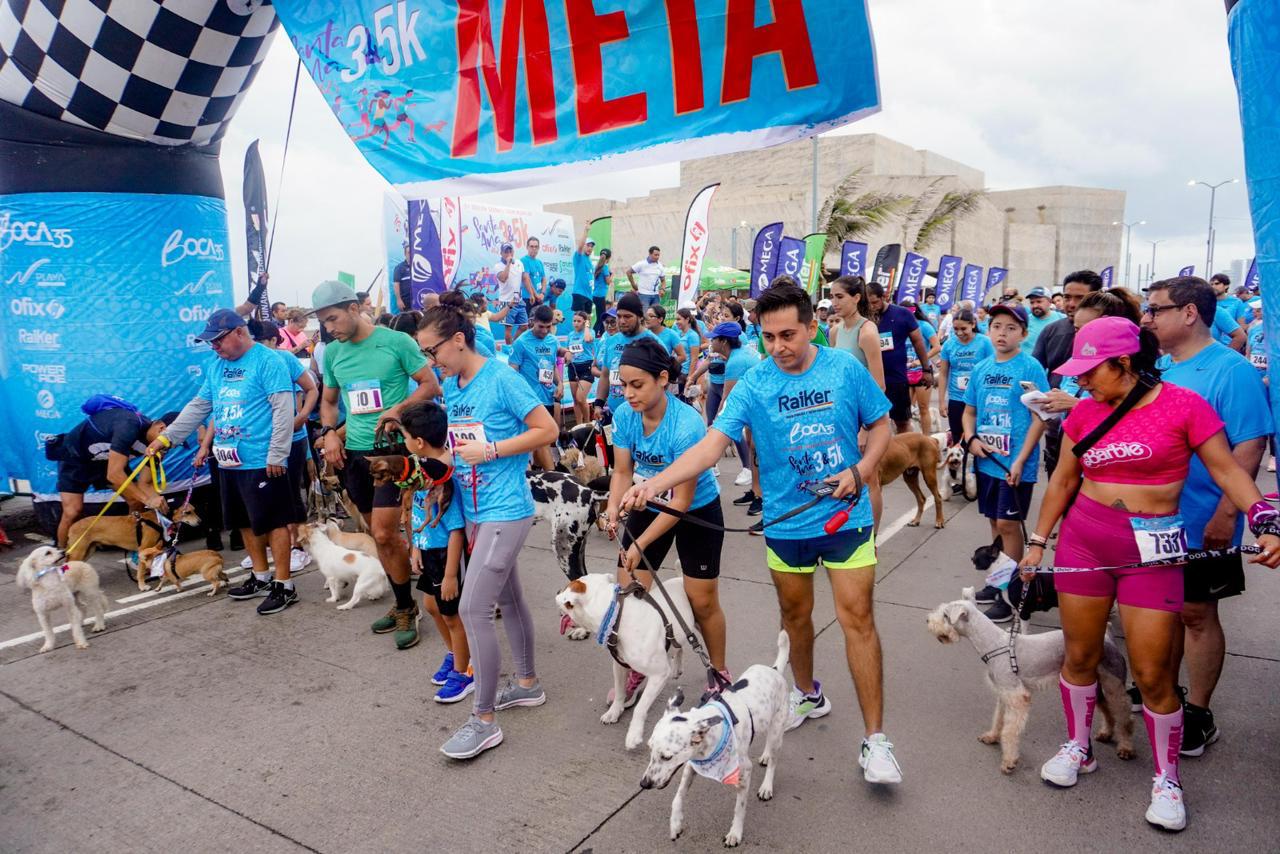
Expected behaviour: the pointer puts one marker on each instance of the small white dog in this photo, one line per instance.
(953, 462)
(591, 600)
(341, 566)
(707, 741)
(1040, 658)
(56, 582)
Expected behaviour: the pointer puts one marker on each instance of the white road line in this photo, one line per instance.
(901, 522)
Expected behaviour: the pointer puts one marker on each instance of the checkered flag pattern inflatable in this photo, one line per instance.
(170, 73)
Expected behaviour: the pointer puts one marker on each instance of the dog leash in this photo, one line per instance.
(1193, 555)
(162, 480)
(820, 491)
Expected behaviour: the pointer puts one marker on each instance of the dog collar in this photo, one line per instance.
(610, 616)
(48, 569)
(725, 729)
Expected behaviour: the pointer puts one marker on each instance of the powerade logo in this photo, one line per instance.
(33, 233)
(804, 401)
(27, 307)
(40, 339)
(1116, 452)
(47, 374)
(178, 247)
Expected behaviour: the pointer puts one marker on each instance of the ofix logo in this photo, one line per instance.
(27, 307)
(178, 247)
(33, 233)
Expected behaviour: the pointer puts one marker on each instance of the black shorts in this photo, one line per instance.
(250, 499)
(698, 547)
(580, 372)
(432, 579)
(1212, 579)
(998, 500)
(899, 395)
(298, 453)
(78, 476)
(360, 487)
(581, 303)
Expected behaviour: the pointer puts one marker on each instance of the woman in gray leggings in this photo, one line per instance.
(494, 422)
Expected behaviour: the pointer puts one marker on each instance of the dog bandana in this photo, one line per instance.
(1002, 572)
(722, 764)
(157, 567)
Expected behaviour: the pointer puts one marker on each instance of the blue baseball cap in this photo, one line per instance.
(1037, 292)
(727, 329)
(1017, 312)
(506, 247)
(611, 312)
(220, 322)
(558, 283)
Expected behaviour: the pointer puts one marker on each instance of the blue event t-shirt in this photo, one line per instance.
(895, 328)
(931, 311)
(810, 423)
(537, 274)
(295, 369)
(1036, 325)
(927, 331)
(691, 340)
(960, 359)
(610, 355)
(1223, 325)
(582, 274)
(535, 359)
(602, 283)
(581, 351)
(668, 338)
(490, 408)
(1237, 308)
(435, 537)
(995, 391)
(484, 340)
(740, 361)
(680, 429)
(1234, 389)
(241, 411)
(1258, 347)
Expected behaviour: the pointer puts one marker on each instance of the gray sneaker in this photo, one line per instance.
(513, 694)
(472, 738)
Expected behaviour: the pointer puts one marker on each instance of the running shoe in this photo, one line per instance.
(987, 596)
(743, 478)
(278, 599)
(514, 694)
(442, 674)
(877, 760)
(1167, 808)
(744, 499)
(298, 559)
(1000, 612)
(1067, 764)
(472, 738)
(1272, 496)
(1271, 465)
(213, 542)
(715, 470)
(805, 706)
(635, 681)
(457, 687)
(1198, 730)
(1135, 698)
(757, 530)
(756, 508)
(250, 589)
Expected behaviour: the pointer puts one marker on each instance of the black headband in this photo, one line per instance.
(646, 359)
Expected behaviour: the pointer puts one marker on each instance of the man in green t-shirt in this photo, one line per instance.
(369, 367)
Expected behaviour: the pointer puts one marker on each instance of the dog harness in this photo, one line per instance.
(48, 569)
(1014, 628)
(607, 636)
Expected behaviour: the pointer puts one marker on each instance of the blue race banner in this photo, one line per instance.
(764, 257)
(1107, 274)
(972, 283)
(1252, 280)
(90, 312)
(853, 259)
(1189, 270)
(913, 270)
(995, 278)
(471, 95)
(425, 266)
(949, 269)
(791, 251)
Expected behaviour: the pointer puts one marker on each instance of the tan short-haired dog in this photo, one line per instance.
(178, 567)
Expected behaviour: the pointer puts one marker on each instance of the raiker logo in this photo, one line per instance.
(40, 339)
(804, 400)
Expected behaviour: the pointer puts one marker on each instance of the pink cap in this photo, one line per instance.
(1099, 340)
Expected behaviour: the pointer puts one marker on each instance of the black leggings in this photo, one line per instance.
(599, 327)
(697, 546)
(955, 417)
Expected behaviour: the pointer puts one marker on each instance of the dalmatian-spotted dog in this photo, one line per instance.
(714, 740)
(570, 508)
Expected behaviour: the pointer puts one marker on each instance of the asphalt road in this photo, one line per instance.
(193, 724)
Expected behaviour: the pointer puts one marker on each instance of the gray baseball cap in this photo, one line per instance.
(331, 293)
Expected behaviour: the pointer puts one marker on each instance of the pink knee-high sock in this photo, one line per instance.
(1078, 702)
(1165, 732)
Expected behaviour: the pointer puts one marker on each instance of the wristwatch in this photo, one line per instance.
(326, 430)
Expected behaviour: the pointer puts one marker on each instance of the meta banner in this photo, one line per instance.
(465, 96)
(697, 234)
(764, 257)
(425, 266)
(1107, 274)
(949, 271)
(972, 288)
(791, 252)
(853, 259)
(1253, 280)
(1189, 270)
(913, 269)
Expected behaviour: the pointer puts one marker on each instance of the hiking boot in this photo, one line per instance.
(278, 599)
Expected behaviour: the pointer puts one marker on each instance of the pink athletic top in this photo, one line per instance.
(1151, 445)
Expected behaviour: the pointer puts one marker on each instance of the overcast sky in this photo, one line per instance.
(1133, 96)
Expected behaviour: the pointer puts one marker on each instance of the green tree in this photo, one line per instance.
(848, 214)
(942, 218)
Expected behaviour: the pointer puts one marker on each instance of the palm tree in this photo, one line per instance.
(846, 216)
(953, 207)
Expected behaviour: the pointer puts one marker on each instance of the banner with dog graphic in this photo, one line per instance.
(468, 96)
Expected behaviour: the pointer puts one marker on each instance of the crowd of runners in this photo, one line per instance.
(1148, 418)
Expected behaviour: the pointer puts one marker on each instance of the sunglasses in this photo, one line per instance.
(1154, 310)
(216, 343)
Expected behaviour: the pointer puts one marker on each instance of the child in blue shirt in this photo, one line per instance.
(438, 548)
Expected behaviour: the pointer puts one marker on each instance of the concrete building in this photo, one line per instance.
(1040, 234)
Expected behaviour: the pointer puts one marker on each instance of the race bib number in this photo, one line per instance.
(615, 377)
(886, 342)
(575, 349)
(226, 456)
(1162, 538)
(662, 498)
(962, 381)
(546, 376)
(608, 434)
(1258, 360)
(364, 397)
(998, 441)
(471, 431)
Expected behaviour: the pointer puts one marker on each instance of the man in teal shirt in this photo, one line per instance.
(583, 274)
(1040, 316)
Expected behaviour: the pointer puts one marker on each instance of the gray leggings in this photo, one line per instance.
(492, 579)
(715, 397)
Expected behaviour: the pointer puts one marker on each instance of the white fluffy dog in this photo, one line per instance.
(591, 599)
(1040, 658)
(705, 741)
(56, 583)
(341, 566)
(953, 461)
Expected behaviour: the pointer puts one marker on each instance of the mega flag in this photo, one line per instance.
(255, 223)
(853, 258)
(972, 289)
(697, 234)
(885, 270)
(1252, 280)
(450, 239)
(791, 257)
(425, 266)
(1189, 270)
(811, 271)
(949, 270)
(764, 257)
(995, 278)
(913, 270)
(1107, 274)
(467, 96)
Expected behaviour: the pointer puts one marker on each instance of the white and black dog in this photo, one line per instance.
(714, 739)
(570, 507)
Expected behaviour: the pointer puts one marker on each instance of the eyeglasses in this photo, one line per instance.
(430, 352)
(1154, 310)
(216, 343)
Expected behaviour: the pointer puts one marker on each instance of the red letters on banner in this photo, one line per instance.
(588, 32)
(686, 55)
(788, 36)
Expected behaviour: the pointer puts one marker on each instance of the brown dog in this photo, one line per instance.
(394, 468)
(178, 567)
(122, 531)
(909, 455)
(355, 542)
(585, 468)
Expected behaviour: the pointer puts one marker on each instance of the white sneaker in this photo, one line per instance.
(877, 760)
(743, 478)
(298, 559)
(1069, 762)
(247, 563)
(1167, 808)
(715, 470)
(804, 706)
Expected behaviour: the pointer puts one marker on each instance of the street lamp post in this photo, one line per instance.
(1151, 271)
(733, 240)
(1128, 229)
(1213, 192)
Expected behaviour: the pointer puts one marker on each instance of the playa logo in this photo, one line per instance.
(178, 247)
(202, 286)
(33, 233)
